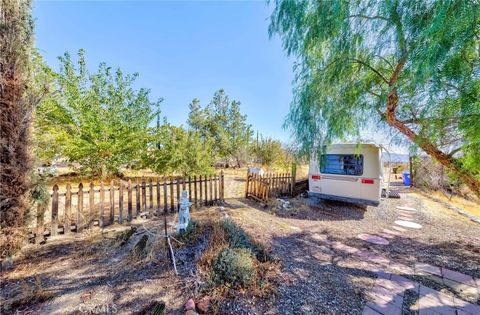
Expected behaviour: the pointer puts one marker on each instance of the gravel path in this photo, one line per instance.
(317, 278)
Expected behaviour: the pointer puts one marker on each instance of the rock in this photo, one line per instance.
(203, 304)
(221, 208)
(191, 312)
(190, 305)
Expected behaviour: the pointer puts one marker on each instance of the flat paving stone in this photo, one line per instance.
(384, 307)
(385, 235)
(392, 232)
(458, 277)
(406, 208)
(419, 267)
(409, 219)
(400, 229)
(408, 224)
(368, 311)
(374, 239)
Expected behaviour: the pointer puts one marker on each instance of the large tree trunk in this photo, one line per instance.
(427, 146)
(15, 115)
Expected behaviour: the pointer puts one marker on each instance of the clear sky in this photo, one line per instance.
(182, 50)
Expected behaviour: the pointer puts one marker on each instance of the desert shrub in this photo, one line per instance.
(192, 233)
(234, 267)
(238, 238)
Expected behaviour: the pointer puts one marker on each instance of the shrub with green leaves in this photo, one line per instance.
(234, 267)
(238, 238)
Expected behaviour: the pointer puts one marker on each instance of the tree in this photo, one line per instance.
(222, 122)
(16, 36)
(174, 149)
(268, 151)
(99, 120)
(410, 65)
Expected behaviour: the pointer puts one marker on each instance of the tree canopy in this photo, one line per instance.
(99, 121)
(409, 65)
(221, 121)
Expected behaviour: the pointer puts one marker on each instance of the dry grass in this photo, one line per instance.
(471, 206)
(266, 271)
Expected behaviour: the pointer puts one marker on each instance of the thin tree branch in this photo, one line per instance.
(363, 63)
(374, 17)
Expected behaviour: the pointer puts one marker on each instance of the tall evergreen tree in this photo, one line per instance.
(16, 36)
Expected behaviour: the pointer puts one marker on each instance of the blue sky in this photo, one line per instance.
(182, 50)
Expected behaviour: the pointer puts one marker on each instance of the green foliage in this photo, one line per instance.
(353, 54)
(177, 150)
(222, 122)
(234, 267)
(238, 238)
(98, 121)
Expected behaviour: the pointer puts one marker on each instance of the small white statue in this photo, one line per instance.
(184, 212)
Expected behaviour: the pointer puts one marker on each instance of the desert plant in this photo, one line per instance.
(238, 238)
(234, 267)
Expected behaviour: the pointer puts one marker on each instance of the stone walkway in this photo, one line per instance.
(388, 295)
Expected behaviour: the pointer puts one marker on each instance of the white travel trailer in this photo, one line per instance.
(347, 172)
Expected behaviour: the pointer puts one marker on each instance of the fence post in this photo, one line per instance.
(120, 202)
(222, 186)
(129, 205)
(91, 202)
(165, 200)
(150, 190)
(144, 195)
(195, 190)
(216, 187)
(172, 206)
(201, 192)
(67, 214)
(80, 208)
(211, 191)
(137, 197)
(184, 186)
(190, 188)
(112, 202)
(158, 195)
(206, 190)
(294, 178)
(177, 181)
(246, 184)
(54, 231)
(102, 201)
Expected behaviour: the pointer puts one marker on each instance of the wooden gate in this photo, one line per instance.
(263, 187)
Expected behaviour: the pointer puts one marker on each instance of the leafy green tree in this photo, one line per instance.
(222, 122)
(99, 120)
(410, 65)
(175, 150)
(267, 151)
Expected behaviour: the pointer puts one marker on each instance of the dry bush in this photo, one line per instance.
(227, 262)
(234, 268)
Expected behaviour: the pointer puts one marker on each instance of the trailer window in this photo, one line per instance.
(342, 164)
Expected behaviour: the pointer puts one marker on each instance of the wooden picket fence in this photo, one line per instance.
(264, 187)
(122, 201)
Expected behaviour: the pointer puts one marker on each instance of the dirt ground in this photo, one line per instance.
(93, 272)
